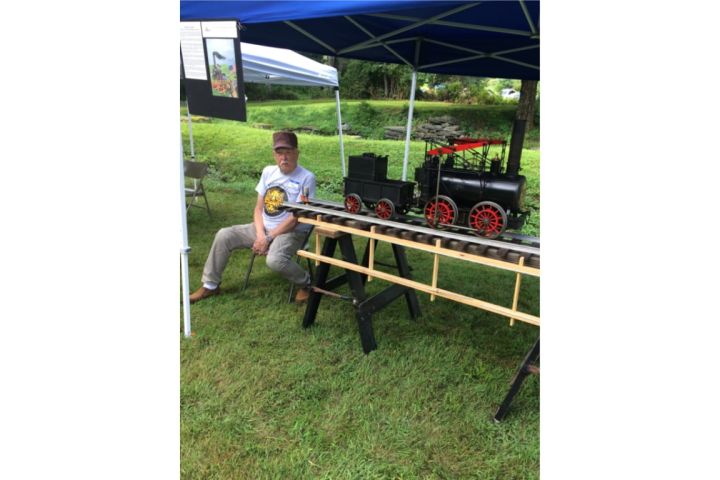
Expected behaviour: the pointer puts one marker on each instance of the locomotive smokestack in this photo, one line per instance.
(516, 145)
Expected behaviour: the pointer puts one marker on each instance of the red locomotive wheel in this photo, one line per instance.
(353, 203)
(384, 209)
(440, 210)
(487, 219)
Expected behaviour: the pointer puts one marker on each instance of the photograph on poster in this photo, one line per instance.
(220, 54)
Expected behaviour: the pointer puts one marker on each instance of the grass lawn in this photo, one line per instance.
(263, 398)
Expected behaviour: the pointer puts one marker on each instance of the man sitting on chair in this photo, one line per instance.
(274, 232)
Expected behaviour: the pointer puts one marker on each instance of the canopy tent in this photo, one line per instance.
(489, 39)
(272, 66)
(484, 39)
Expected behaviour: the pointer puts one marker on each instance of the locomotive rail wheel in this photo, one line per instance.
(439, 211)
(384, 209)
(488, 219)
(353, 203)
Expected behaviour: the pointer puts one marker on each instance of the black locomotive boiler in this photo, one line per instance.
(457, 184)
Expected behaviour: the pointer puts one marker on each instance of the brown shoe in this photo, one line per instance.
(202, 293)
(302, 295)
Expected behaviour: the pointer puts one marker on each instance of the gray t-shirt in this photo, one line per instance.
(274, 183)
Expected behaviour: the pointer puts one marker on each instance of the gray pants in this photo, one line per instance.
(279, 257)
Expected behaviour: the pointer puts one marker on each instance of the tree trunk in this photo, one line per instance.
(526, 105)
(523, 123)
(385, 80)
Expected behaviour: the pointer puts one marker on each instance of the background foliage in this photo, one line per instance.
(375, 81)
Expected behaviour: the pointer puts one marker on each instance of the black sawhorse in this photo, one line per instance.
(365, 307)
(526, 368)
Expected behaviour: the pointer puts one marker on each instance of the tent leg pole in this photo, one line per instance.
(186, 293)
(185, 248)
(339, 119)
(409, 125)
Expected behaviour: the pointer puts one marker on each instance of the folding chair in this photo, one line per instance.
(196, 171)
(305, 245)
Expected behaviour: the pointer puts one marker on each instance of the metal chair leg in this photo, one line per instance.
(290, 294)
(297, 260)
(207, 205)
(191, 203)
(249, 270)
(305, 246)
(292, 285)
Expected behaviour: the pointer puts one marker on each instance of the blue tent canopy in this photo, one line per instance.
(482, 39)
(488, 39)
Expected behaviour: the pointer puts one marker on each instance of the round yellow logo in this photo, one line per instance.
(274, 197)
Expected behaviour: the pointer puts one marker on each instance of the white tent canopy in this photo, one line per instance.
(272, 66)
(278, 66)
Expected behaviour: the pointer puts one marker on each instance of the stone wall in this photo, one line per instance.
(436, 128)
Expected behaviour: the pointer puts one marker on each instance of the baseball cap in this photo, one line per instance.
(284, 140)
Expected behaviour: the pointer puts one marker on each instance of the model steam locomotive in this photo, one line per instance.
(457, 184)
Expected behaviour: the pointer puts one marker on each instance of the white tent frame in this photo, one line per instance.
(413, 22)
(271, 66)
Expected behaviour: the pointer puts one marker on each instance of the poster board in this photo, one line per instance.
(211, 69)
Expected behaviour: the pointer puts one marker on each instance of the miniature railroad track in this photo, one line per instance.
(419, 221)
(508, 247)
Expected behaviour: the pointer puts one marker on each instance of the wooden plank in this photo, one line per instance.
(456, 297)
(324, 232)
(436, 267)
(535, 272)
(516, 295)
(317, 240)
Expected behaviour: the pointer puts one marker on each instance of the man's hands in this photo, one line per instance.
(261, 246)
